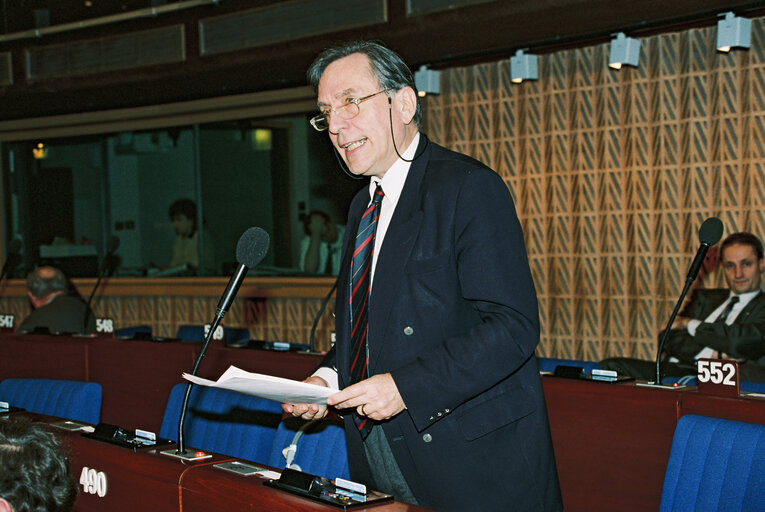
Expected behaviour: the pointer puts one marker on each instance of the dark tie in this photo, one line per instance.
(728, 308)
(361, 267)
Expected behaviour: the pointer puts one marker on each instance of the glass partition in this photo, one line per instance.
(177, 198)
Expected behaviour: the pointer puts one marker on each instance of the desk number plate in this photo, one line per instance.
(718, 377)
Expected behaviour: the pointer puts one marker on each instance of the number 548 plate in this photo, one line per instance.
(718, 376)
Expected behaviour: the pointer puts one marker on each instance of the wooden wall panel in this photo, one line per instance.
(613, 173)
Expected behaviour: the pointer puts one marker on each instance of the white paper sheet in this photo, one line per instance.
(266, 386)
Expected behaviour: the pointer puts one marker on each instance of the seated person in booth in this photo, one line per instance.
(436, 312)
(34, 469)
(183, 214)
(320, 249)
(57, 306)
(724, 323)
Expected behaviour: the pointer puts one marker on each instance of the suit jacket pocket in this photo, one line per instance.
(489, 415)
(423, 266)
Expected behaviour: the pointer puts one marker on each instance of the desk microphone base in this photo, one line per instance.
(187, 455)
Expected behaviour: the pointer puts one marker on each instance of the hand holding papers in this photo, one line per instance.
(266, 386)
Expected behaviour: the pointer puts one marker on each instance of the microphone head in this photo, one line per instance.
(711, 231)
(14, 247)
(252, 247)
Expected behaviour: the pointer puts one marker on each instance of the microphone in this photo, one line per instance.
(710, 232)
(13, 259)
(112, 244)
(250, 250)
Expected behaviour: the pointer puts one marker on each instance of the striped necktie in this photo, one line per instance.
(361, 268)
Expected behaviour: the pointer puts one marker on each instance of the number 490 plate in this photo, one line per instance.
(718, 377)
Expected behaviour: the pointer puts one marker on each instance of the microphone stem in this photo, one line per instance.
(184, 405)
(665, 335)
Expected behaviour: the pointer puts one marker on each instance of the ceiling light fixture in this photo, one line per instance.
(625, 51)
(733, 32)
(427, 81)
(523, 67)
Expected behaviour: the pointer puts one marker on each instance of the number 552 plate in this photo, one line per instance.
(718, 377)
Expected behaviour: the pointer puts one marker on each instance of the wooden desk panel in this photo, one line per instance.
(290, 365)
(136, 377)
(612, 442)
(205, 488)
(747, 409)
(149, 481)
(42, 356)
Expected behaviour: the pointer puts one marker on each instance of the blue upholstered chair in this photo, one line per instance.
(223, 421)
(316, 447)
(754, 387)
(715, 465)
(548, 364)
(73, 400)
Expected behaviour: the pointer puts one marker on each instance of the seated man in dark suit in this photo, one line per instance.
(716, 323)
(55, 308)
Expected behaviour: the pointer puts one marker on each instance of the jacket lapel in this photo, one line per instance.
(395, 251)
(750, 307)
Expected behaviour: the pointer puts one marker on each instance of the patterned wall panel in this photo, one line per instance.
(613, 172)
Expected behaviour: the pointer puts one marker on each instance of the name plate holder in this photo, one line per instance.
(718, 377)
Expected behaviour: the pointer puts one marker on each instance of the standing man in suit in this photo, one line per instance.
(727, 323)
(440, 388)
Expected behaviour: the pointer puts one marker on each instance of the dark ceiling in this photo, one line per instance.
(481, 32)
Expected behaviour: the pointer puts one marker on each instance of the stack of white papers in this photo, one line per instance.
(267, 386)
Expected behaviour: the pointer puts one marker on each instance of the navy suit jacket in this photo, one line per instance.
(453, 317)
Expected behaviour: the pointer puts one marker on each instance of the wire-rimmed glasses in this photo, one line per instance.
(347, 111)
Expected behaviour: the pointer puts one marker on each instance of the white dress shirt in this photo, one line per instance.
(392, 184)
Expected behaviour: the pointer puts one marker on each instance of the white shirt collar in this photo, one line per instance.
(393, 180)
(744, 298)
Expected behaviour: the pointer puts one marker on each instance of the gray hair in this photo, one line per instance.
(388, 67)
(43, 281)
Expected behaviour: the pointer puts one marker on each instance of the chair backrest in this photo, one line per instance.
(70, 399)
(191, 332)
(223, 422)
(548, 364)
(715, 465)
(129, 332)
(319, 449)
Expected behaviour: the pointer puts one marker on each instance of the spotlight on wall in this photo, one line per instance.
(523, 67)
(733, 32)
(625, 51)
(427, 81)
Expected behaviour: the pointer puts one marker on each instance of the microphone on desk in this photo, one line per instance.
(710, 232)
(13, 259)
(250, 250)
(112, 244)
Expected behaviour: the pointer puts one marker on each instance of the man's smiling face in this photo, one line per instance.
(364, 142)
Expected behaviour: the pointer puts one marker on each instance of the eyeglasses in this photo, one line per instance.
(344, 112)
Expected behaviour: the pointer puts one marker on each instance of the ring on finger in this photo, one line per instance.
(363, 413)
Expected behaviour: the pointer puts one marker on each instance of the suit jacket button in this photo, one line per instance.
(440, 414)
(427, 438)
(408, 330)
(432, 418)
